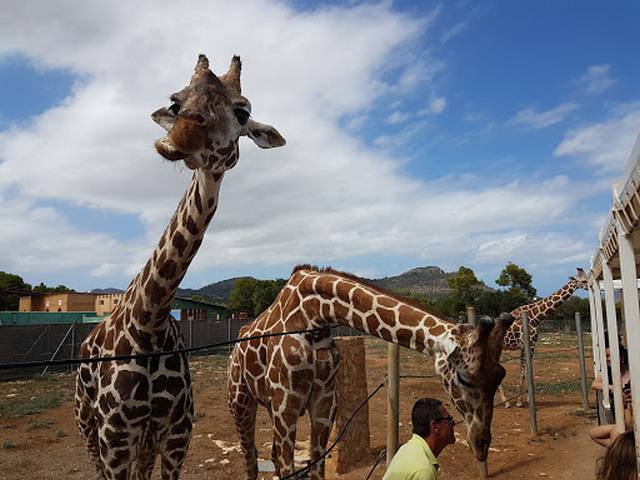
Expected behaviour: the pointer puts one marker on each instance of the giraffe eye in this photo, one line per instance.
(174, 108)
(242, 115)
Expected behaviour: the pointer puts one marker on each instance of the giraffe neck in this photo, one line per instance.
(329, 298)
(544, 308)
(151, 292)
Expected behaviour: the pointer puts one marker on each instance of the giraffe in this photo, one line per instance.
(536, 313)
(130, 412)
(291, 373)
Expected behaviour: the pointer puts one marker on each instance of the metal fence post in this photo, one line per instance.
(583, 367)
(533, 420)
(73, 346)
(190, 332)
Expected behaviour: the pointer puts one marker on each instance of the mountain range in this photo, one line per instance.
(431, 282)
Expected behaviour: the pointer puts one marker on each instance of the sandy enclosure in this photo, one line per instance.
(45, 445)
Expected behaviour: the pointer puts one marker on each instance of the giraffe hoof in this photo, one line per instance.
(519, 404)
(507, 405)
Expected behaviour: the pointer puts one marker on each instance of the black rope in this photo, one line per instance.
(71, 361)
(306, 469)
(383, 453)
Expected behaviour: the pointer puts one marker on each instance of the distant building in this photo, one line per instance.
(106, 302)
(58, 302)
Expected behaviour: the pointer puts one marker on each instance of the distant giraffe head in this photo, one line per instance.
(581, 279)
(207, 117)
(471, 374)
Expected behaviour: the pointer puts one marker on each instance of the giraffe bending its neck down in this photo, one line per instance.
(291, 373)
(536, 313)
(129, 412)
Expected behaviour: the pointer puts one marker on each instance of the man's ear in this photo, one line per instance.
(265, 136)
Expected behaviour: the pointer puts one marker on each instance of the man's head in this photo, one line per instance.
(432, 421)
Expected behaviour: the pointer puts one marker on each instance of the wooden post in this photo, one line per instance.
(583, 367)
(471, 315)
(393, 399)
(533, 420)
(351, 392)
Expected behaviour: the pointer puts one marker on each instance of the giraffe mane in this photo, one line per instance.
(399, 297)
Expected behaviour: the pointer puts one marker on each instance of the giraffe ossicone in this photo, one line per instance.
(291, 374)
(537, 312)
(130, 412)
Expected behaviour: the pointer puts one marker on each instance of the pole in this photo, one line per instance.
(583, 367)
(64, 339)
(73, 346)
(393, 399)
(190, 331)
(629, 277)
(612, 330)
(471, 315)
(533, 420)
(597, 296)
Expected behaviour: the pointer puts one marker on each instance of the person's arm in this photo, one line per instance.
(628, 417)
(597, 383)
(602, 434)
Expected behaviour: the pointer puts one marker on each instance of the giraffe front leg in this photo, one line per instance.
(322, 415)
(243, 409)
(284, 441)
(503, 397)
(86, 421)
(174, 450)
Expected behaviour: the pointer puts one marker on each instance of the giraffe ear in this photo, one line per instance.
(265, 136)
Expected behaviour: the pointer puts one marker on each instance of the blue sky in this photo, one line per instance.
(442, 133)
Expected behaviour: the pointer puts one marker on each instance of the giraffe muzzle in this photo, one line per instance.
(165, 148)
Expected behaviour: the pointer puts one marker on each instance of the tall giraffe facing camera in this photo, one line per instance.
(129, 412)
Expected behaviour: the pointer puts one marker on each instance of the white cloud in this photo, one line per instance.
(454, 31)
(604, 145)
(530, 118)
(437, 105)
(595, 80)
(542, 249)
(322, 198)
(397, 117)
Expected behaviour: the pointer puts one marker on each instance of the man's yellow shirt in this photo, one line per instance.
(413, 461)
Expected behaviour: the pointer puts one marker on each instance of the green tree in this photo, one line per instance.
(11, 288)
(466, 289)
(196, 297)
(265, 293)
(517, 280)
(241, 296)
(42, 288)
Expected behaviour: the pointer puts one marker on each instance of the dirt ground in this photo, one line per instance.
(45, 445)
